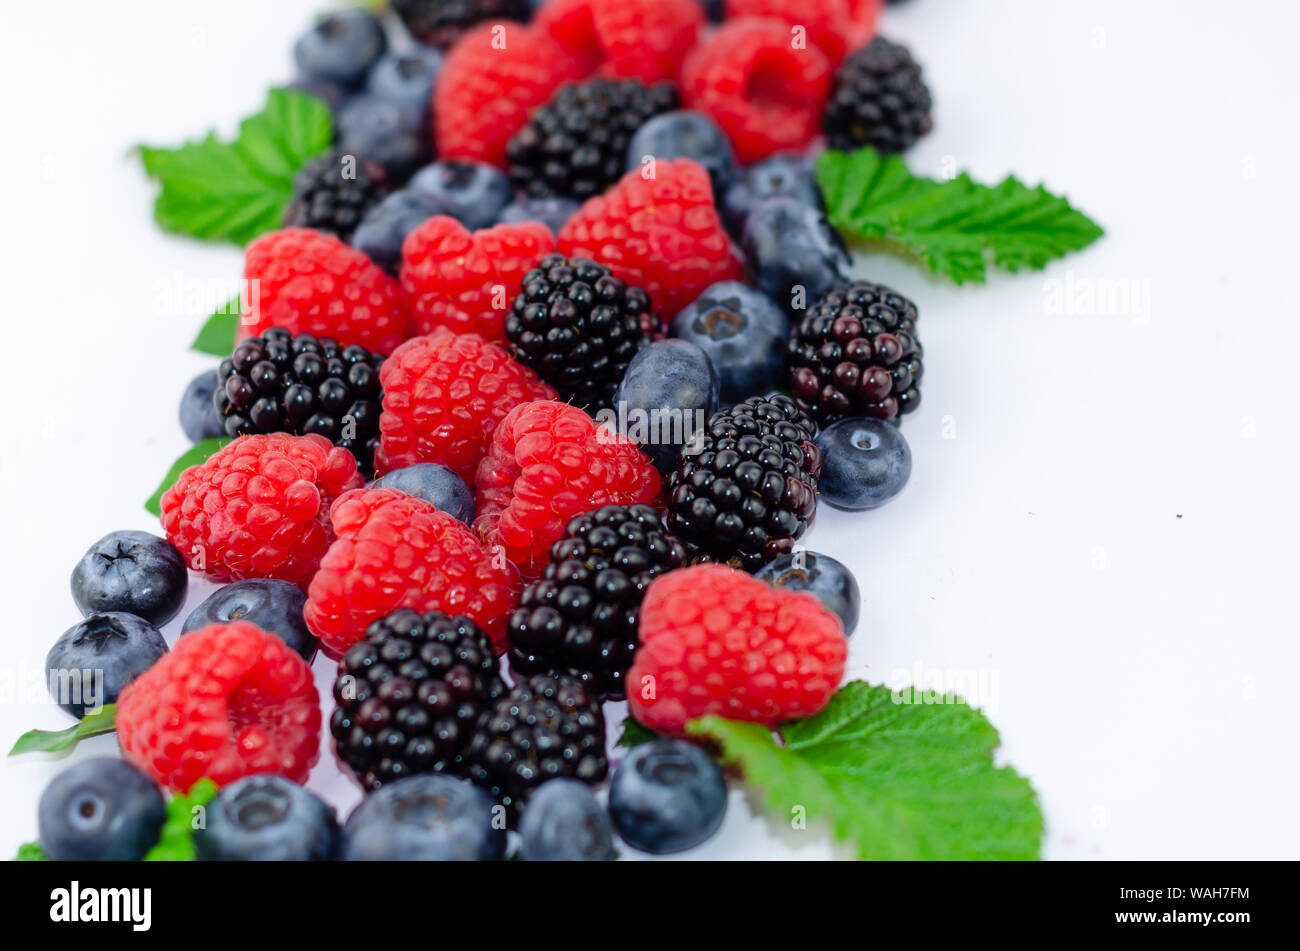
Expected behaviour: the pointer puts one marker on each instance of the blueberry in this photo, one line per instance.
(563, 822)
(267, 818)
(392, 134)
(685, 134)
(407, 78)
(473, 193)
(668, 795)
(385, 227)
(274, 606)
(785, 176)
(821, 576)
(791, 245)
(742, 332)
(552, 212)
(95, 658)
(199, 417)
(134, 572)
(426, 818)
(669, 391)
(866, 463)
(436, 484)
(341, 47)
(100, 810)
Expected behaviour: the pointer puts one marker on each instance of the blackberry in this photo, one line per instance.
(580, 617)
(746, 488)
(578, 327)
(576, 144)
(546, 726)
(878, 99)
(409, 695)
(281, 383)
(334, 192)
(856, 353)
(441, 22)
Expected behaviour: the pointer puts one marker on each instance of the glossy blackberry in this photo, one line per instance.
(580, 617)
(546, 726)
(409, 695)
(281, 383)
(878, 99)
(578, 327)
(441, 22)
(747, 487)
(334, 192)
(576, 144)
(856, 353)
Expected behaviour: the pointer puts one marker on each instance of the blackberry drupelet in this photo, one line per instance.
(747, 488)
(580, 617)
(879, 99)
(281, 383)
(578, 327)
(334, 192)
(546, 726)
(856, 353)
(576, 144)
(441, 22)
(410, 694)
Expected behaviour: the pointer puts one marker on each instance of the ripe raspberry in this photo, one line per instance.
(835, 26)
(259, 507)
(396, 551)
(548, 463)
(486, 94)
(309, 282)
(228, 700)
(444, 395)
(634, 39)
(661, 234)
(715, 640)
(441, 22)
(765, 95)
(465, 282)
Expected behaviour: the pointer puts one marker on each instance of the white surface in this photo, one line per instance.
(1139, 664)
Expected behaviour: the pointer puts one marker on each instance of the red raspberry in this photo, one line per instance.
(662, 234)
(258, 508)
(717, 640)
(228, 700)
(836, 26)
(548, 463)
(396, 551)
(632, 39)
(443, 396)
(310, 282)
(465, 281)
(485, 94)
(765, 94)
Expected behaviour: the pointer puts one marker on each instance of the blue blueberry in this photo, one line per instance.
(866, 463)
(114, 646)
(791, 246)
(273, 605)
(267, 818)
(685, 134)
(426, 818)
(552, 212)
(334, 95)
(341, 47)
(669, 391)
(198, 414)
(134, 572)
(821, 576)
(385, 227)
(742, 332)
(563, 822)
(407, 78)
(384, 131)
(472, 192)
(784, 176)
(668, 795)
(436, 484)
(100, 810)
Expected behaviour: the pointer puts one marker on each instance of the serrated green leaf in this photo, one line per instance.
(896, 780)
(635, 733)
(31, 852)
(176, 840)
(235, 191)
(55, 741)
(218, 334)
(956, 227)
(196, 454)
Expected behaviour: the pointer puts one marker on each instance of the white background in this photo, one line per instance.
(1101, 525)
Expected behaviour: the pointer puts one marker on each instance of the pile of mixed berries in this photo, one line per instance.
(547, 373)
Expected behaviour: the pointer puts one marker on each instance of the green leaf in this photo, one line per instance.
(897, 780)
(218, 334)
(176, 841)
(31, 852)
(235, 191)
(191, 457)
(55, 741)
(956, 227)
(635, 733)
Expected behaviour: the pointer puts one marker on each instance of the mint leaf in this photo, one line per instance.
(218, 334)
(235, 191)
(176, 841)
(55, 741)
(897, 780)
(955, 228)
(191, 457)
(31, 852)
(634, 733)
